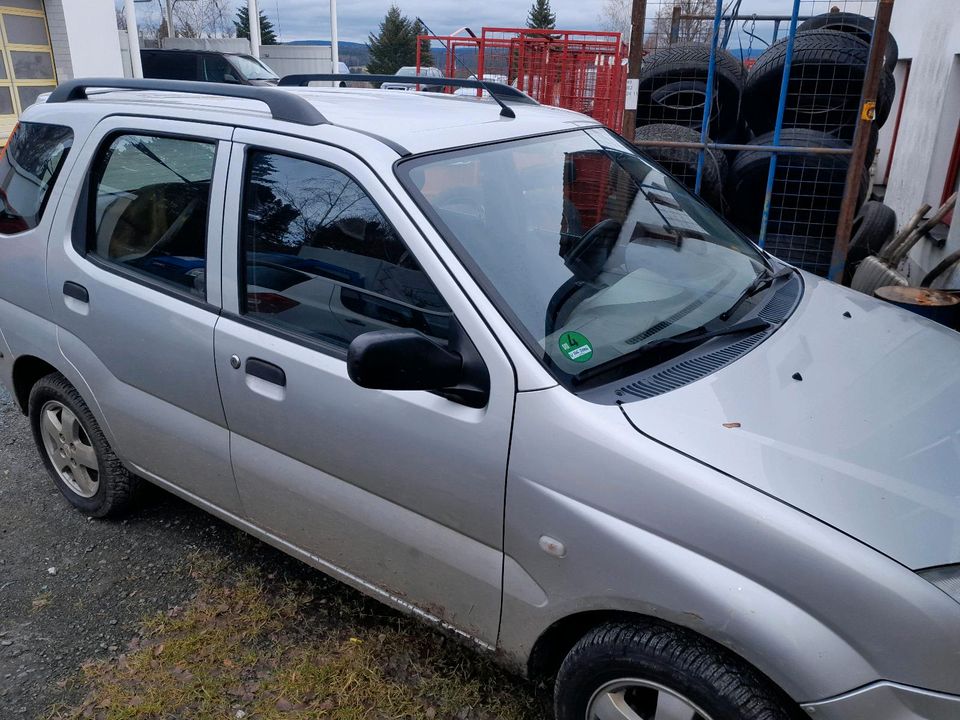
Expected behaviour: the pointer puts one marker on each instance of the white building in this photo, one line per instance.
(46, 41)
(919, 158)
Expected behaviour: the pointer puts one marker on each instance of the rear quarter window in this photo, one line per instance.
(29, 165)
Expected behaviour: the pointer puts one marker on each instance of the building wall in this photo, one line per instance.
(57, 25)
(86, 31)
(930, 41)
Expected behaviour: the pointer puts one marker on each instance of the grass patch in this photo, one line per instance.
(269, 646)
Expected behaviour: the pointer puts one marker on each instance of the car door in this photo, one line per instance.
(401, 492)
(135, 305)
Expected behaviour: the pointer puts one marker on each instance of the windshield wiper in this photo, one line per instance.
(662, 350)
(762, 281)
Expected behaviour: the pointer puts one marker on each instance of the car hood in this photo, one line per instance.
(854, 420)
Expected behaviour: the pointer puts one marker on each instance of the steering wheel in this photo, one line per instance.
(586, 258)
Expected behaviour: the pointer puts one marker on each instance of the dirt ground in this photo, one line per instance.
(83, 601)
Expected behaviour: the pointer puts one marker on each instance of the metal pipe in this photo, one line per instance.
(675, 25)
(708, 98)
(778, 126)
(334, 37)
(253, 18)
(868, 104)
(780, 150)
(170, 31)
(133, 38)
(638, 19)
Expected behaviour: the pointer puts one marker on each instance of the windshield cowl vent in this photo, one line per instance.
(698, 363)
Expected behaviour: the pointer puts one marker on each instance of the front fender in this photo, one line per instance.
(649, 531)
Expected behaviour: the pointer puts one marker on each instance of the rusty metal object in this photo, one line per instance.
(848, 208)
(937, 305)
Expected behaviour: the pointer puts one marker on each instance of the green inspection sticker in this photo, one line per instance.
(576, 347)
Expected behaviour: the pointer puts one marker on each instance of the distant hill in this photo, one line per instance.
(353, 54)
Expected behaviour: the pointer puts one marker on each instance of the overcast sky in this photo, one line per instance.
(310, 19)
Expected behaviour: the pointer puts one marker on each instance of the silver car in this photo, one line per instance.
(479, 359)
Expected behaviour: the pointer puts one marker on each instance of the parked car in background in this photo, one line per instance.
(481, 360)
(206, 66)
(411, 70)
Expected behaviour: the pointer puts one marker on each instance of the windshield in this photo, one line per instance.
(252, 69)
(589, 250)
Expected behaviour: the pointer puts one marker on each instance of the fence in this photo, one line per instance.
(761, 114)
(579, 70)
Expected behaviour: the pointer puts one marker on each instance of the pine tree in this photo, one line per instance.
(242, 24)
(395, 45)
(541, 16)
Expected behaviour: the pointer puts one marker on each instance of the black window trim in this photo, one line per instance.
(55, 178)
(82, 228)
(257, 323)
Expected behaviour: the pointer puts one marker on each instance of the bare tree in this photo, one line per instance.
(689, 20)
(204, 18)
(615, 16)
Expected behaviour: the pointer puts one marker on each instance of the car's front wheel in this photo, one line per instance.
(75, 452)
(652, 671)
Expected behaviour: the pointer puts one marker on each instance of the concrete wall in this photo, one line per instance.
(83, 33)
(929, 37)
(297, 59)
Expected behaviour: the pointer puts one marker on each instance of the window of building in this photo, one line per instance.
(29, 166)
(320, 260)
(149, 208)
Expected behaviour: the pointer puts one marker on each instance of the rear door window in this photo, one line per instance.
(149, 208)
(29, 166)
(170, 65)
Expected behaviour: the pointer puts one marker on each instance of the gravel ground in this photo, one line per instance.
(73, 589)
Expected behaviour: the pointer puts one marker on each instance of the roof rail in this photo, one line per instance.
(285, 106)
(498, 91)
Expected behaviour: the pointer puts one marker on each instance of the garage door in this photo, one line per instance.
(26, 60)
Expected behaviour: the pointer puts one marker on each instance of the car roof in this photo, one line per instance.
(416, 121)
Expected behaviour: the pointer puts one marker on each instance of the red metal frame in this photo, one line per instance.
(953, 176)
(896, 125)
(580, 70)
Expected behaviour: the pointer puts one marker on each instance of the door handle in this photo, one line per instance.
(266, 371)
(76, 291)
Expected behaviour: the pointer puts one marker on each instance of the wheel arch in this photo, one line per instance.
(27, 370)
(555, 643)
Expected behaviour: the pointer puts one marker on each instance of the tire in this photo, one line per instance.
(673, 89)
(107, 491)
(857, 25)
(873, 226)
(711, 681)
(682, 162)
(807, 189)
(826, 81)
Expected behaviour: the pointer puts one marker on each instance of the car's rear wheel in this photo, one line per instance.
(75, 451)
(653, 671)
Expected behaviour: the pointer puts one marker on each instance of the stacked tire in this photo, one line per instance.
(828, 68)
(822, 109)
(672, 104)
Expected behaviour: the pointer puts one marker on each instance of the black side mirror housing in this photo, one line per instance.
(405, 359)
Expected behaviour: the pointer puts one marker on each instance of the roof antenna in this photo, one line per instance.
(505, 111)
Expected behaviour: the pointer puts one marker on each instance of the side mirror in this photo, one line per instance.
(402, 360)
(231, 79)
